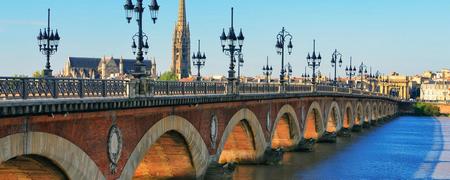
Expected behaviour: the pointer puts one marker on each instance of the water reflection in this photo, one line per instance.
(405, 148)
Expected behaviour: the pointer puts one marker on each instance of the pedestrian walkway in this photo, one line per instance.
(437, 162)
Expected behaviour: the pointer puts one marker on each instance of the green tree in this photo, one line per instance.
(168, 76)
(425, 109)
(38, 74)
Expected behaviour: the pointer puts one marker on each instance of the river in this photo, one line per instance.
(404, 148)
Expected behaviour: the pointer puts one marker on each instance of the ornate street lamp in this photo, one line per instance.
(140, 47)
(305, 76)
(362, 72)
(267, 70)
(314, 62)
(282, 38)
(232, 46)
(334, 63)
(373, 79)
(48, 41)
(289, 72)
(350, 71)
(199, 61)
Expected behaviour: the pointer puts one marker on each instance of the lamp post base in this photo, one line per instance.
(48, 73)
(231, 87)
(139, 71)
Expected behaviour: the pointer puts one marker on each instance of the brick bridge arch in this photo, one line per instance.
(196, 146)
(73, 161)
(286, 131)
(313, 124)
(347, 116)
(368, 113)
(244, 125)
(380, 110)
(374, 112)
(333, 119)
(359, 114)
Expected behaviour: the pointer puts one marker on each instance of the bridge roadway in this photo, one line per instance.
(180, 130)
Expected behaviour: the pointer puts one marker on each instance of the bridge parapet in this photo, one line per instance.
(40, 88)
(12, 88)
(22, 96)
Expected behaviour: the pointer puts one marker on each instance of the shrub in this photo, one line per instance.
(425, 109)
(168, 76)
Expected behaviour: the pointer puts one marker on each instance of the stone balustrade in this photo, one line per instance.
(13, 88)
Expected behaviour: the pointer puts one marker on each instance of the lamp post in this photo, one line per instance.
(362, 71)
(234, 48)
(289, 72)
(314, 62)
(282, 37)
(267, 70)
(48, 41)
(334, 63)
(372, 79)
(305, 76)
(199, 61)
(350, 71)
(140, 48)
(240, 64)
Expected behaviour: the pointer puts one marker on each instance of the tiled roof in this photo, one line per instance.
(93, 63)
(80, 62)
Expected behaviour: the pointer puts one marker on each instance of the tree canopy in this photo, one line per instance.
(168, 76)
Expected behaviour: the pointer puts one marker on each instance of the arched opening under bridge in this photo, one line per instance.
(31, 167)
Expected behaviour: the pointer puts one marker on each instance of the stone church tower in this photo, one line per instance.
(181, 59)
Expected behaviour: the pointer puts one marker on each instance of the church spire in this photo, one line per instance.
(182, 13)
(181, 59)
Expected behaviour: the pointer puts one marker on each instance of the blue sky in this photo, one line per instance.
(407, 36)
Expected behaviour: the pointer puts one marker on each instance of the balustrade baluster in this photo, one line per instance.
(103, 88)
(183, 88)
(195, 88)
(80, 88)
(24, 89)
(55, 88)
(167, 87)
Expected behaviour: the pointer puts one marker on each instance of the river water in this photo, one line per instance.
(404, 148)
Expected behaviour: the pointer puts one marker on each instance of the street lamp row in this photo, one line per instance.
(232, 46)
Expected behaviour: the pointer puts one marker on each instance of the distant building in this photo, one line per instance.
(103, 68)
(435, 92)
(396, 85)
(181, 58)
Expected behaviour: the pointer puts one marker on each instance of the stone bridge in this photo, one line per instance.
(181, 135)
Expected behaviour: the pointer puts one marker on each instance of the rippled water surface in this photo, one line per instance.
(404, 148)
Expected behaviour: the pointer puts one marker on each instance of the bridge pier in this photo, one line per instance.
(328, 137)
(273, 156)
(374, 123)
(357, 128)
(344, 132)
(366, 125)
(217, 170)
(306, 145)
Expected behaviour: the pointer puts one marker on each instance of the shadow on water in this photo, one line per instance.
(396, 149)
